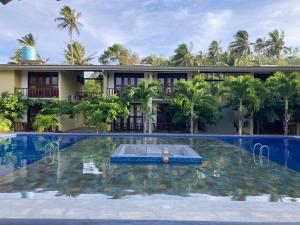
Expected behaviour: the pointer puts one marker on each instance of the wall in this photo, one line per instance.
(8, 79)
(68, 86)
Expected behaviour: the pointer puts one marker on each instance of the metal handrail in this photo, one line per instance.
(254, 153)
(261, 155)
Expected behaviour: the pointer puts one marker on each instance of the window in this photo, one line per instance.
(125, 80)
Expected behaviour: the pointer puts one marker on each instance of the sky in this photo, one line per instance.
(145, 26)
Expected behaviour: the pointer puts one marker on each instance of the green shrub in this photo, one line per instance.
(5, 124)
(50, 122)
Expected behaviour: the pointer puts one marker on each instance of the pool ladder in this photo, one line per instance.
(51, 149)
(261, 150)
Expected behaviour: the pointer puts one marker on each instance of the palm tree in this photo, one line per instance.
(183, 56)
(69, 20)
(284, 87)
(27, 40)
(241, 92)
(78, 56)
(275, 45)
(260, 48)
(191, 94)
(17, 56)
(241, 45)
(214, 52)
(144, 93)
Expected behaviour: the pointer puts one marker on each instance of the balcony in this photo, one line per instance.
(43, 92)
(138, 127)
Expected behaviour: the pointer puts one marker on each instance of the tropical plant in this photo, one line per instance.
(284, 87)
(27, 40)
(255, 101)
(275, 45)
(155, 60)
(49, 122)
(192, 97)
(12, 106)
(75, 54)
(183, 56)
(55, 107)
(118, 54)
(214, 52)
(241, 46)
(143, 94)
(102, 110)
(242, 94)
(5, 124)
(69, 19)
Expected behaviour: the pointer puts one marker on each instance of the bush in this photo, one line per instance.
(5, 124)
(50, 122)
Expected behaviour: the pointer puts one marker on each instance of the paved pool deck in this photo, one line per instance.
(149, 209)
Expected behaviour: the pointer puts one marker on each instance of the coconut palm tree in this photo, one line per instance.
(241, 92)
(144, 93)
(214, 52)
(241, 45)
(78, 57)
(260, 48)
(275, 45)
(183, 55)
(27, 40)
(190, 94)
(69, 20)
(284, 87)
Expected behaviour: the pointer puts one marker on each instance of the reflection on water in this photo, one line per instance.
(34, 166)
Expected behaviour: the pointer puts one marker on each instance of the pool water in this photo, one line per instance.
(80, 165)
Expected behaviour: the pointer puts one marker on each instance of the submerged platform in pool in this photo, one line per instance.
(153, 153)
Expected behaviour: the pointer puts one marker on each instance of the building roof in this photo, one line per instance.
(147, 68)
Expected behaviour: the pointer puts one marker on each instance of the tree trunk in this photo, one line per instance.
(192, 120)
(241, 118)
(71, 45)
(150, 118)
(286, 117)
(251, 124)
(144, 123)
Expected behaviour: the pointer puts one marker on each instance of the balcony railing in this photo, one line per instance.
(165, 89)
(46, 92)
(138, 127)
(87, 94)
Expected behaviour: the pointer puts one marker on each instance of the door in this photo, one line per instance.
(42, 84)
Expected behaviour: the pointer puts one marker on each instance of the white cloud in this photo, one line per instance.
(147, 26)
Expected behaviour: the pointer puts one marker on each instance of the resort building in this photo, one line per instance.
(66, 82)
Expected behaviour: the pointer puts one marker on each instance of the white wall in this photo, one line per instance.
(24, 79)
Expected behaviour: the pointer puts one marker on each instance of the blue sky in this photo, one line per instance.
(146, 26)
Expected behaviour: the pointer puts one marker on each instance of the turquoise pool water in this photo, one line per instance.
(79, 165)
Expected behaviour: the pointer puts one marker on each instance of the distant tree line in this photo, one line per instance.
(270, 50)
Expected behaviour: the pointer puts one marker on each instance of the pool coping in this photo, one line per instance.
(164, 209)
(153, 135)
(127, 222)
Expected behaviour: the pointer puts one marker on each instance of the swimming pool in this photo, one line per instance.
(80, 165)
